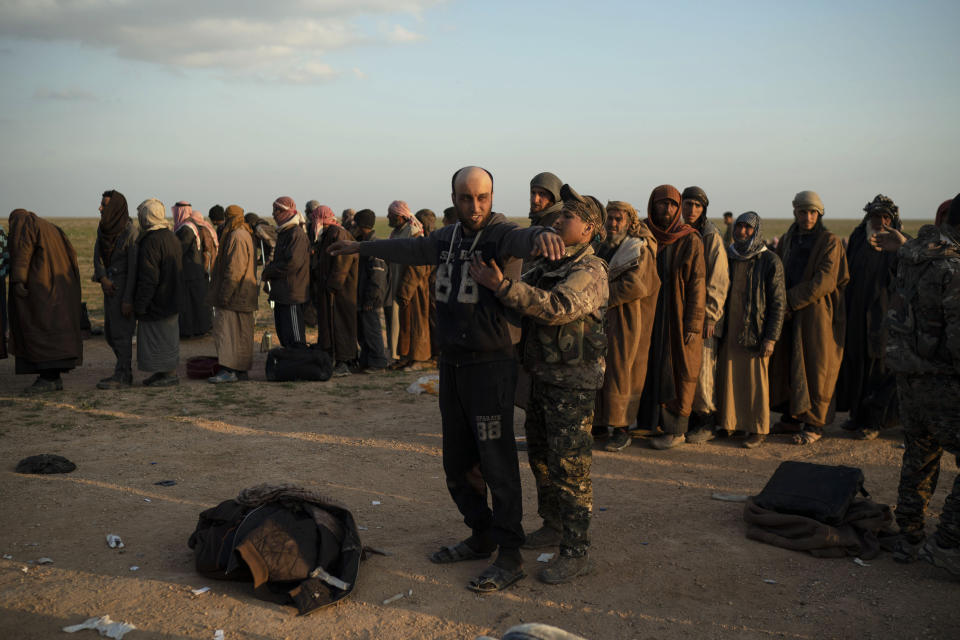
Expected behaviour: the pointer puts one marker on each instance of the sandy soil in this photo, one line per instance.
(672, 562)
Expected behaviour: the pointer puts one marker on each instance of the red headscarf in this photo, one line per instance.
(677, 228)
(284, 210)
(183, 217)
(320, 217)
(399, 208)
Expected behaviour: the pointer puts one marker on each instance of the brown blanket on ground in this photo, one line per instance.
(855, 536)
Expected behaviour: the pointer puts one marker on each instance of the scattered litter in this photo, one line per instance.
(134, 568)
(644, 543)
(602, 509)
(901, 446)
(729, 497)
(375, 502)
(545, 557)
(104, 625)
(769, 581)
(860, 562)
(44, 560)
(165, 483)
(425, 384)
(218, 635)
(153, 463)
(147, 500)
(361, 527)
(24, 569)
(396, 597)
(7, 556)
(32, 544)
(114, 541)
(378, 551)
(200, 591)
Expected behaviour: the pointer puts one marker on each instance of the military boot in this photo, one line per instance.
(565, 569)
(545, 536)
(942, 557)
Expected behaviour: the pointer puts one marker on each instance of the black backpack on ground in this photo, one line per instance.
(285, 364)
(816, 491)
(296, 547)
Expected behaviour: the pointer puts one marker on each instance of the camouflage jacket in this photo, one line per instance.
(923, 320)
(563, 304)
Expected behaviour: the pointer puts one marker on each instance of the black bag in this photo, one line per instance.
(298, 363)
(299, 553)
(816, 491)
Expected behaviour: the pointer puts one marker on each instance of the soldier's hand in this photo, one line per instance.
(887, 240)
(126, 308)
(549, 245)
(708, 329)
(343, 248)
(20, 289)
(488, 274)
(688, 337)
(766, 349)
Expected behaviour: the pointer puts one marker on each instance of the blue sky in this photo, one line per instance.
(359, 102)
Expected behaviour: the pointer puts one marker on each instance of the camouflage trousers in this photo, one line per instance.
(931, 425)
(560, 450)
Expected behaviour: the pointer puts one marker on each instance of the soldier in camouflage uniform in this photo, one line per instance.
(923, 348)
(563, 350)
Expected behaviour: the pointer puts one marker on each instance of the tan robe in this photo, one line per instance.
(45, 324)
(743, 384)
(634, 284)
(413, 302)
(806, 361)
(718, 282)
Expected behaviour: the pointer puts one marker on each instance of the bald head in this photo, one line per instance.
(473, 196)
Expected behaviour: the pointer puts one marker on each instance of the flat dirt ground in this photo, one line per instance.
(671, 561)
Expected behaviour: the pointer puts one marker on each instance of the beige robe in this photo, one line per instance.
(743, 384)
(718, 283)
(634, 285)
(806, 361)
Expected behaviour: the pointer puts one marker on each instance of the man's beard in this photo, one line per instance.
(612, 241)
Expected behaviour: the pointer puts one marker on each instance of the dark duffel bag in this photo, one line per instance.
(298, 363)
(202, 367)
(816, 491)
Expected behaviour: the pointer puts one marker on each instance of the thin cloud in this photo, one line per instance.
(401, 35)
(63, 94)
(282, 40)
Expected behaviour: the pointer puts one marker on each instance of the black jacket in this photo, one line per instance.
(289, 269)
(766, 301)
(473, 324)
(372, 286)
(122, 270)
(159, 264)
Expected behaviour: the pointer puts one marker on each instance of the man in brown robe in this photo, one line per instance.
(693, 208)
(403, 224)
(333, 289)
(676, 343)
(234, 295)
(630, 250)
(411, 297)
(44, 301)
(806, 360)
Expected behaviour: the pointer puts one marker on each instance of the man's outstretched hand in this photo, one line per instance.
(343, 248)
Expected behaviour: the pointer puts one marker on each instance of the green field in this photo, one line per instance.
(83, 232)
